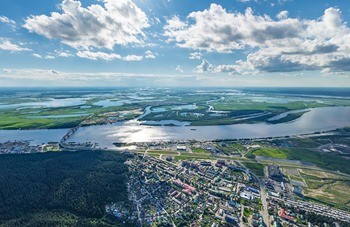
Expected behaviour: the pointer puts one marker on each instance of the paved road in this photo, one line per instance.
(263, 194)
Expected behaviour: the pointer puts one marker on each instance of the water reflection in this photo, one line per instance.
(52, 102)
(37, 136)
(318, 119)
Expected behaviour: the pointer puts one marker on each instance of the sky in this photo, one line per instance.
(175, 43)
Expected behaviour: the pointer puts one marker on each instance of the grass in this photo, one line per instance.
(329, 161)
(324, 160)
(270, 152)
(236, 109)
(288, 118)
(247, 212)
(327, 188)
(22, 118)
(236, 146)
(265, 106)
(231, 147)
(199, 150)
(195, 156)
(295, 178)
(256, 168)
(162, 152)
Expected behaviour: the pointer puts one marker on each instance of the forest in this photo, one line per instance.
(62, 188)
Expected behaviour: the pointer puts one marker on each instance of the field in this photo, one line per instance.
(65, 108)
(305, 151)
(199, 150)
(264, 106)
(270, 152)
(256, 168)
(288, 118)
(327, 188)
(61, 117)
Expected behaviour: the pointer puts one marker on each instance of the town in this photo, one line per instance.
(166, 192)
(213, 183)
(25, 147)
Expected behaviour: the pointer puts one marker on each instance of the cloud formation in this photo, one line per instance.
(7, 20)
(205, 66)
(64, 54)
(91, 55)
(98, 55)
(37, 55)
(282, 15)
(7, 45)
(196, 55)
(133, 58)
(288, 44)
(150, 55)
(116, 22)
(179, 68)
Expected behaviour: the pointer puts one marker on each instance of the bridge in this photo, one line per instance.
(71, 132)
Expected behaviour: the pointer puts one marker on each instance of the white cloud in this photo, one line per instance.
(196, 55)
(107, 56)
(7, 45)
(282, 15)
(37, 55)
(149, 54)
(133, 58)
(179, 68)
(205, 66)
(216, 30)
(98, 55)
(50, 78)
(64, 54)
(288, 44)
(6, 20)
(116, 22)
(49, 57)
(174, 24)
(81, 78)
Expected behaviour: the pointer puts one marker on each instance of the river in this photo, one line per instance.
(315, 120)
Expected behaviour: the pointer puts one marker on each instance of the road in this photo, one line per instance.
(263, 195)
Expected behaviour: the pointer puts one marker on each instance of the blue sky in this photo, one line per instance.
(174, 43)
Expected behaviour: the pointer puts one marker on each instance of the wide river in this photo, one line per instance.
(315, 120)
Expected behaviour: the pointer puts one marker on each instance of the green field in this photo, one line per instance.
(165, 152)
(270, 152)
(327, 188)
(45, 118)
(288, 118)
(195, 156)
(265, 106)
(256, 168)
(329, 161)
(199, 150)
(239, 109)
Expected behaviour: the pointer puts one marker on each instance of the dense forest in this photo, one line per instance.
(61, 188)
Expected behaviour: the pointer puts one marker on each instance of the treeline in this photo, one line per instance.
(67, 186)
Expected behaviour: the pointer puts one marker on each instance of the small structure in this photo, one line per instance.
(205, 163)
(275, 173)
(181, 148)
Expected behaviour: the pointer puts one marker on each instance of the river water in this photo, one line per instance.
(316, 119)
